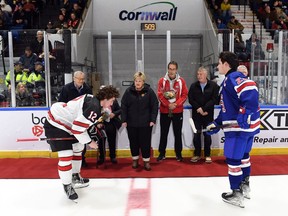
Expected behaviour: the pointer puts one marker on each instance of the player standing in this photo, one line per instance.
(239, 104)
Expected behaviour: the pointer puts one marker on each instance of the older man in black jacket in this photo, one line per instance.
(203, 95)
(75, 89)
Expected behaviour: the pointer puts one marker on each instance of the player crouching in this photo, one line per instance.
(66, 128)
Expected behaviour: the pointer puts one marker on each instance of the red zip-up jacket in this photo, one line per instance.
(181, 94)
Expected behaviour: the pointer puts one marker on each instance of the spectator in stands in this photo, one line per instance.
(36, 84)
(82, 3)
(30, 11)
(38, 44)
(19, 20)
(5, 98)
(220, 25)
(73, 22)
(280, 13)
(268, 17)
(66, 5)
(58, 24)
(255, 5)
(235, 25)
(277, 26)
(6, 8)
(253, 46)
(23, 97)
(77, 10)
(217, 13)
(226, 10)
(6, 14)
(19, 74)
(72, 90)
(284, 6)
(37, 77)
(65, 13)
(239, 47)
(3, 22)
(28, 59)
(50, 28)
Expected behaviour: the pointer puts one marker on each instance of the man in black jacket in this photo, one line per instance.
(203, 95)
(75, 89)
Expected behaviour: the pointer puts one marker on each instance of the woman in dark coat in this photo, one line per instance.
(139, 112)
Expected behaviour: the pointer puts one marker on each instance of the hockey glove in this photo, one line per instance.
(243, 118)
(92, 131)
(212, 128)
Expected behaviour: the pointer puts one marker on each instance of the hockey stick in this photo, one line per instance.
(99, 121)
(104, 137)
(215, 128)
(97, 157)
(43, 139)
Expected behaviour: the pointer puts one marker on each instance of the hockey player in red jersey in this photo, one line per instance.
(73, 120)
(239, 105)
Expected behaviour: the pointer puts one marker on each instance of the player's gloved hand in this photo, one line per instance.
(212, 128)
(92, 131)
(243, 118)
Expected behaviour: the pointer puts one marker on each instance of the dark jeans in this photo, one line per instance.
(177, 122)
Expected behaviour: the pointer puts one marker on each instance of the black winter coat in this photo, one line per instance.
(206, 100)
(139, 108)
(69, 92)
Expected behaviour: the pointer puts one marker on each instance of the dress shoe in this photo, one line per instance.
(179, 158)
(114, 160)
(100, 162)
(161, 157)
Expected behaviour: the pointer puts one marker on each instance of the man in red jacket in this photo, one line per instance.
(172, 94)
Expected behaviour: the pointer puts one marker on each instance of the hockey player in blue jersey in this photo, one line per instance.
(239, 107)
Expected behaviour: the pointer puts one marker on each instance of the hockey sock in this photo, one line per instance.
(235, 173)
(246, 165)
(65, 166)
(77, 157)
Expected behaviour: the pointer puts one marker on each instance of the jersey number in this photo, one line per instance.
(92, 116)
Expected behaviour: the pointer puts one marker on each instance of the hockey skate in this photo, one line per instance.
(70, 192)
(245, 186)
(78, 181)
(235, 198)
